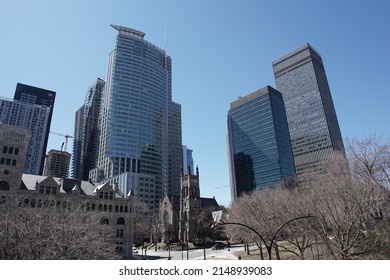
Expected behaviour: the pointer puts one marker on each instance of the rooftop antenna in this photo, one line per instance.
(165, 37)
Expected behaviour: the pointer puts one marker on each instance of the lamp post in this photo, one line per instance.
(169, 241)
(269, 244)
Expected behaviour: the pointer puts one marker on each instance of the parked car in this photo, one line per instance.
(218, 246)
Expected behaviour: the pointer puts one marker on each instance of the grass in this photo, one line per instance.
(254, 254)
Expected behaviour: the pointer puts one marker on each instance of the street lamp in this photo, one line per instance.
(269, 244)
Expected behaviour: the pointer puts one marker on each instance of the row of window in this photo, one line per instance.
(10, 150)
(8, 161)
(47, 190)
(106, 195)
(39, 203)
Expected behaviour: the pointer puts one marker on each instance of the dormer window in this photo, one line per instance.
(47, 190)
(106, 195)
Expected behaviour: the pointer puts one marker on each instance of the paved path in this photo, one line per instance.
(194, 254)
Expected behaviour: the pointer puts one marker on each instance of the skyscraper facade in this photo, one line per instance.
(87, 132)
(37, 96)
(36, 119)
(188, 161)
(175, 157)
(314, 130)
(140, 142)
(259, 147)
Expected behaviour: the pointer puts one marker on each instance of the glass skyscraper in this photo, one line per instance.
(259, 147)
(87, 132)
(38, 96)
(314, 130)
(188, 161)
(140, 140)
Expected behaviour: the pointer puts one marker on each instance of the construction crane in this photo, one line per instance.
(221, 187)
(66, 139)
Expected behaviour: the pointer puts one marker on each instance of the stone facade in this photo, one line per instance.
(37, 191)
(13, 146)
(177, 216)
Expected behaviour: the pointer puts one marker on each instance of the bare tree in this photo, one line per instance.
(369, 160)
(142, 220)
(53, 233)
(346, 205)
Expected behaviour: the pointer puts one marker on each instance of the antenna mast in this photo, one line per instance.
(165, 37)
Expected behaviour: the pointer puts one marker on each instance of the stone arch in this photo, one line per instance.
(120, 221)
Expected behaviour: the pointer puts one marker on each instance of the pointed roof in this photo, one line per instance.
(104, 187)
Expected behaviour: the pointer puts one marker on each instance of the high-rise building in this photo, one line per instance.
(314, 130)
(140, 140)
(36, 119)
(188, 161)
(175, 156)
(259, 147)
(38, 96)
(57, 164)
(87, 132)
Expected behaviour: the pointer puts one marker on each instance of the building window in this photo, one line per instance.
(4, 186)
(120, 221)
(119, 233)
(5, 149)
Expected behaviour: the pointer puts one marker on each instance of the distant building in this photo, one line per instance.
(37, 96)
(188, 160)
(36, 191)
(314, 130)
(259, 147)
(35, 118)
(57, 164)
(87, 132)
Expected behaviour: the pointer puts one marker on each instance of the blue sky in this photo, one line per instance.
(220, 50)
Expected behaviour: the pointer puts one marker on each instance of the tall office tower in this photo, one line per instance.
(38, 96)
(36, 119)
(175, 155)
(87, 132)
(137, 140)
(259, 147)
(188, 161)
(57, 164)
(314, 129)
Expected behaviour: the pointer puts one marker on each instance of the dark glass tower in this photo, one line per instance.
(87, 132)
(314, 130)
(37, 96)
(260, 153)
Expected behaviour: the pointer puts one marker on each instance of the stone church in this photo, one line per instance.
(177, 216)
